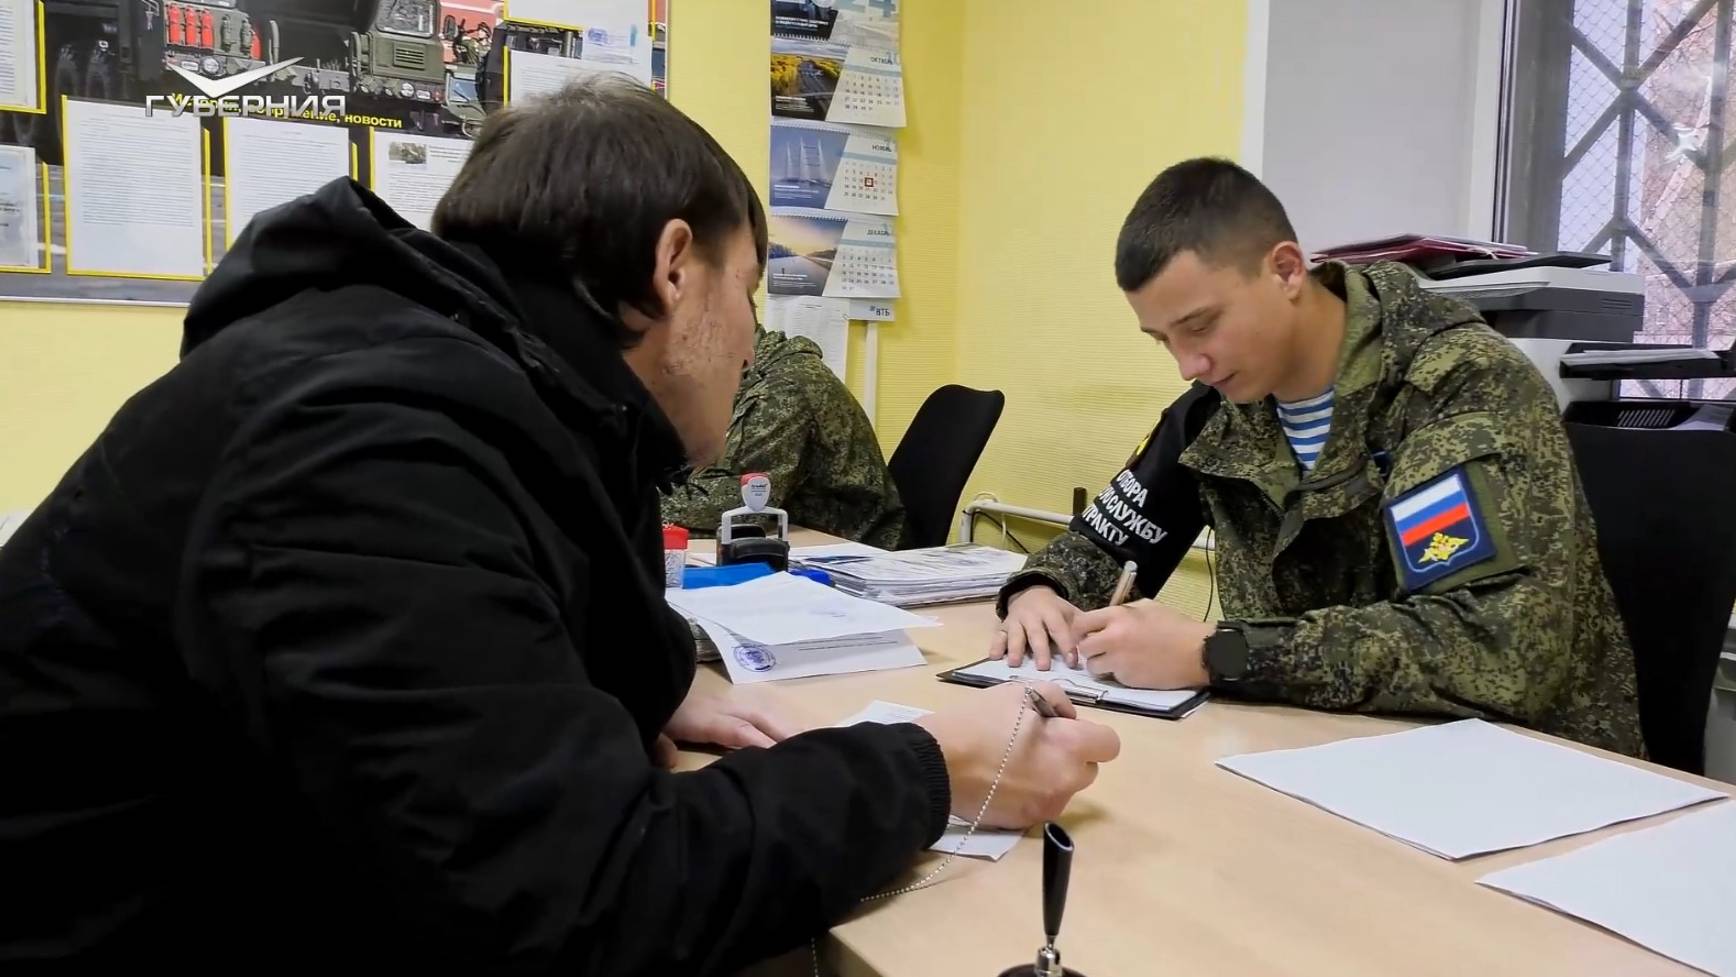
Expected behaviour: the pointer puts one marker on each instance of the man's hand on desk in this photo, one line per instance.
(731, 720)
(1039, 625)
(1145, 645)
(1052, 760)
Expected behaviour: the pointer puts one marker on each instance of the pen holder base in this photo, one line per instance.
(1030, 970)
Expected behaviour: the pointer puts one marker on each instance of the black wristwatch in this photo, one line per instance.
(1226, 653)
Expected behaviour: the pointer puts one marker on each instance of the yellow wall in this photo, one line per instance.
(1026, 144)
(64, 369)
(1062, 129)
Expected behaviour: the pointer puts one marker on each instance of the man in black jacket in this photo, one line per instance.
(345, 642)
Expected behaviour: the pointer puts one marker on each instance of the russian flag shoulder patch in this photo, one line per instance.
(1438, 528)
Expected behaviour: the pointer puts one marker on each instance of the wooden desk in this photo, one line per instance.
(1186, 869)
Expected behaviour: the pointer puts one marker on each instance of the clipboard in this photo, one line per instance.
(1097, 698)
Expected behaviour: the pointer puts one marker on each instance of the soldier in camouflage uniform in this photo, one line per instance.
(796, 422)
(1438, 558)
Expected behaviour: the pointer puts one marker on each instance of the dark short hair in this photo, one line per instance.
(580, 183)
(1209, 206)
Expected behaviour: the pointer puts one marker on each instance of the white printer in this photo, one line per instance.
(1547, 310)
(1537, 301)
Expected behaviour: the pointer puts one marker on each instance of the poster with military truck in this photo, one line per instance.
(403, 68)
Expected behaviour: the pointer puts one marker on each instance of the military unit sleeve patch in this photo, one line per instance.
(1438, 528)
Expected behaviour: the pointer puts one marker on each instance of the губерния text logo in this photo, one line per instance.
(217, 100)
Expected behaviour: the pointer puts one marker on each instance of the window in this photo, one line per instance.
(1619, 141)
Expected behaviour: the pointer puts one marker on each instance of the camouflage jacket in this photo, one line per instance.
(797, 422)
(1440, 558)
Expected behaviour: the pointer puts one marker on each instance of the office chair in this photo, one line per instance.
(937, 455)
(1665, 506)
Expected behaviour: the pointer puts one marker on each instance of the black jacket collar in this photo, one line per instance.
(569, 341)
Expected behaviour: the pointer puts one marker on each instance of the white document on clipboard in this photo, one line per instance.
(1082, 687)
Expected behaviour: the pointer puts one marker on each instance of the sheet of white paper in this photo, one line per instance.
(825, 321)
(19, 84)
(556, 13)
(881, 711)
(987, 843)
(112, 152)
(1078, 679)
(1466, 788)
(782, 608)
(990, 843)
(20, 234)
(871, 310)
(619, 45)
(594, 12)
(267, 162)
(1669, 888)
(9, 523)
(412, 173)
(749, 662)
(531, 75)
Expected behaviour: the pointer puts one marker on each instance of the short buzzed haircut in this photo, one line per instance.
(1209, 206)
(580, 183)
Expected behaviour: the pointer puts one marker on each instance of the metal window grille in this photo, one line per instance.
(1618, 120)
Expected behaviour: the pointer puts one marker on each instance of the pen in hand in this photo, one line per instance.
(1040, 704)
(1124, 584)
(1123, 590)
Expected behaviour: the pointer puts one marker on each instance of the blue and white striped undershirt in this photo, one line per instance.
(1306, 424)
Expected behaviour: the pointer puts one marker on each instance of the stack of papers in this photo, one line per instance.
(989, 843)
(1668, 888)
(783, 626)
(1467, 788)
(799, 554)
(1626, 357)
(913, 578)
(1421, 249)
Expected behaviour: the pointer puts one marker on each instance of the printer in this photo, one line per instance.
(1548, 309)
(1537, 301)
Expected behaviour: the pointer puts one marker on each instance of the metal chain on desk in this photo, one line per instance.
(928, 880)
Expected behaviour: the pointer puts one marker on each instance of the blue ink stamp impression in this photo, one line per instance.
(755, 658)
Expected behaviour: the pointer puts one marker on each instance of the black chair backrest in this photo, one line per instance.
(937, 455)
(1665, 506)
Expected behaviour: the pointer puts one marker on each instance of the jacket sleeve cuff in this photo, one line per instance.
(1268, 654)
(932, 764)
(1025, 580)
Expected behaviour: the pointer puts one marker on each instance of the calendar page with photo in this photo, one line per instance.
(820, 253)
(816, 164)
(823, 82)
(872, 22)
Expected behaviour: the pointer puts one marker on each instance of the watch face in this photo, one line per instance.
(1227, 654)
